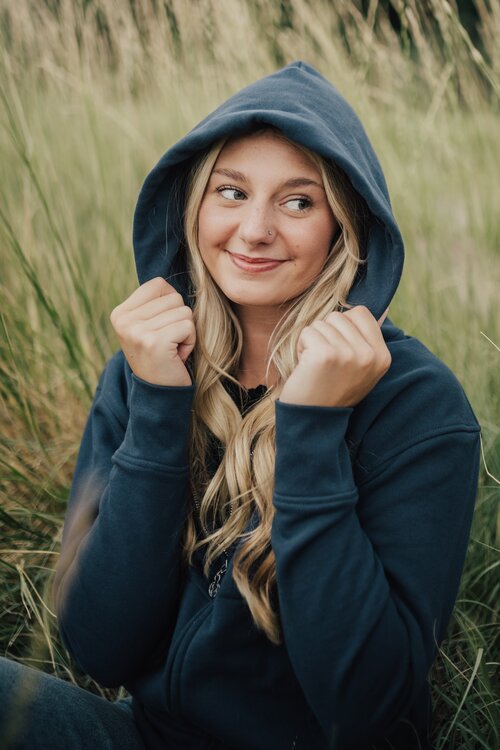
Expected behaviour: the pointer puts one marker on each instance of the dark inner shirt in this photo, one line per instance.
(244, 398)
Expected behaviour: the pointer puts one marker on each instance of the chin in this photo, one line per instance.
(251, 301)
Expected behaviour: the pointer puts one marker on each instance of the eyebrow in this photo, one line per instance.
(292, 183)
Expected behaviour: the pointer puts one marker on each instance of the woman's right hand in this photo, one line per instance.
(156, 333)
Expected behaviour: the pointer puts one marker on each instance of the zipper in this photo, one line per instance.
(215, 583)
(216, 580)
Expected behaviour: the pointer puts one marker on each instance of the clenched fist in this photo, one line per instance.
(156, 333)
(340, 359)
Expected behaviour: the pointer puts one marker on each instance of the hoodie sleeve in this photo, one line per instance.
(368, 573)
(117, 579)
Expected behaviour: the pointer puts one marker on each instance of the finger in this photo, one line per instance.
(362, 318)
(354, 335)
(381, 320)
(157, 305)
(337, 337)
(172, 335)
(312, 339)
(185, 334)
(151, 289)
(167, 317)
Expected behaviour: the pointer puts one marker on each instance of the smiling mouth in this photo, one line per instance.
(246, 259)
(254, 265)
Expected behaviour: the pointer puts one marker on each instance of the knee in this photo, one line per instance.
(14, 675)
(18, 691)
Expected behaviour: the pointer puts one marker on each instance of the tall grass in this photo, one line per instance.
(91, 94)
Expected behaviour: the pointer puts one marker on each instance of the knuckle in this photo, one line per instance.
(134, 334)
(117, 322)
(349, 355)
(386, 360)
(159, 286)
(327, 355)
(317, 324)
(367, 358)
(158, 281)
(358, 311)
(333, 314)
(148, 341)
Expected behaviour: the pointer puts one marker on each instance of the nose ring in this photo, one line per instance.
(269, 232)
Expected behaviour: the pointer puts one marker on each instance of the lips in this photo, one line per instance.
(256, 260)
(255, 265)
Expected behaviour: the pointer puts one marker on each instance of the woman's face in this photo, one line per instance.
(265, 201)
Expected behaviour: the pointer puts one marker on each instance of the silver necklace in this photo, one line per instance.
(215, 583)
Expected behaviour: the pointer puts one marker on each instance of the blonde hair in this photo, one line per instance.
(244, 480)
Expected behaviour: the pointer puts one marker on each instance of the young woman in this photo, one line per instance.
(272, 501)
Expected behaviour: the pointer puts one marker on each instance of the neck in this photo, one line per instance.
(257, 324)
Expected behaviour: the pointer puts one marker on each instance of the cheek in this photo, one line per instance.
(210, 239)
(204, 230)
(316, 240)
(212, 227)
(326, 229)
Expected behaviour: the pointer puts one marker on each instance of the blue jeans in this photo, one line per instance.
(41, 712)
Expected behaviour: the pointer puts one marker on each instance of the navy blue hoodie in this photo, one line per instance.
(373, 507)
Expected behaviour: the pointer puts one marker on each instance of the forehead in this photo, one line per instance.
(267, 147)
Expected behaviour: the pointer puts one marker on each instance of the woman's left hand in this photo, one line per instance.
(340, 359)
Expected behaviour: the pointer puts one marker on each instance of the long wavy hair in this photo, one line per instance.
(243, 483)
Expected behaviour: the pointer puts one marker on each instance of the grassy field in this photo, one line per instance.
(91, 95)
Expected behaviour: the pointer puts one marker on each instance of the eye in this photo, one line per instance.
(231, 193)
(299, 204)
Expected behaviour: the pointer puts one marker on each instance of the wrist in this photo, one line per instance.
(312, 458)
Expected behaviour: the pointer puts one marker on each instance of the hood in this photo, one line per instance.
(309, 110)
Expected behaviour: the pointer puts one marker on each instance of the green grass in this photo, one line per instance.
(89, 102)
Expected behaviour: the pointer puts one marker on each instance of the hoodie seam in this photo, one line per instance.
(293, 499)
(426, 437)
(127, 460)
(452, 559)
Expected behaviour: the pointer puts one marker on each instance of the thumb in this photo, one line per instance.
(186, 347)
(381, 319)
(184, 350)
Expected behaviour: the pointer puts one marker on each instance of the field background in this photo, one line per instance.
(91, 94)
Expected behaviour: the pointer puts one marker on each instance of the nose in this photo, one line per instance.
(256, 225)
